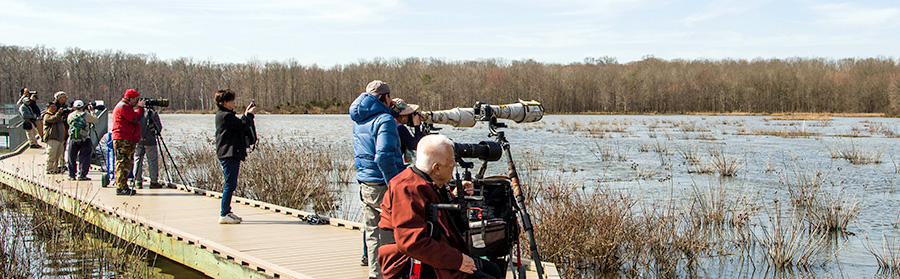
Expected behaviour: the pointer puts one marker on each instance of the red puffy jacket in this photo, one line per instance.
(126, 122)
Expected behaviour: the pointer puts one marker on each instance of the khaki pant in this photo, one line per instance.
(371, 196)
(32, 136)
(55, 150)
(124, 161)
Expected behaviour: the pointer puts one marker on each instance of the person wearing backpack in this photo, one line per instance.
(79, 145)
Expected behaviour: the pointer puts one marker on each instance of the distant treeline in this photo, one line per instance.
(864, 85)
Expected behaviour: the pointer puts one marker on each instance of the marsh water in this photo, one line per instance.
(648, 158)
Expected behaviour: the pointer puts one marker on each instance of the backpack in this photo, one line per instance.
(78, 128)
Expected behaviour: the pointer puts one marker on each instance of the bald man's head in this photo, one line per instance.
(434, 156)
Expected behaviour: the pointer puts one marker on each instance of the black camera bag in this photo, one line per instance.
(495, 223)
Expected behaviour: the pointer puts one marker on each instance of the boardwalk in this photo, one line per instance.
(180, 223)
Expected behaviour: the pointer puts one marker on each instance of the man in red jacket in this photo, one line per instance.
(126, 132)
(411, 243)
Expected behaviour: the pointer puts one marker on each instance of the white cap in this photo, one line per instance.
(77, 104)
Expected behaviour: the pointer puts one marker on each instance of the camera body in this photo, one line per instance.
(156, 102)
(96, 105)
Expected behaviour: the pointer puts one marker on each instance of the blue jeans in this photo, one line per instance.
(230, 169)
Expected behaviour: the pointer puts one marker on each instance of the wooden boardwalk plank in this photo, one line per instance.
(267, 240)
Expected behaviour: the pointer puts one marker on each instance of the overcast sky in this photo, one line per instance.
(333, 32)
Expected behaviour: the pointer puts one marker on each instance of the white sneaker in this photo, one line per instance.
(231, 214)
(228, 220)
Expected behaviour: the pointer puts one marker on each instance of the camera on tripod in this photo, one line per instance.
(97, 105)
(496, 210)
(163, 103)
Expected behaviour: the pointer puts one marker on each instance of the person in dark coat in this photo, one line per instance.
(437, 248)
(231, 147)
(408, 116)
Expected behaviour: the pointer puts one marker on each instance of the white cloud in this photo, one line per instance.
(718, 9)
(852, 15)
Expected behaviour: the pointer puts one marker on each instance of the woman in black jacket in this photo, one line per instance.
(231, 148)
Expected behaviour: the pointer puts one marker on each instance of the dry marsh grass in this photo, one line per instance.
(887, 256)
(857, 154)
(723, 202)
(725, 165)
(818, 200)
(786, 133)
(799, 116)
(288, 172)
(37, 240)
(788, 243)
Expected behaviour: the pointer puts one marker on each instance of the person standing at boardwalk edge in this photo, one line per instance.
(231, 147)
(79, 145)
(54, 136)
(126, 133)
(376, 146)
(147, 146)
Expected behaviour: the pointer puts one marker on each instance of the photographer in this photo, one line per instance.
(125, 134)
(60, 99)
(231, 147)
(29, 118)
(376, 146)
(79, 145)
(55, 136)
(147, 146)
(408, 115)
(409, 234)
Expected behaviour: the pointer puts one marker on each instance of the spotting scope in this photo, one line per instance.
(520, 112)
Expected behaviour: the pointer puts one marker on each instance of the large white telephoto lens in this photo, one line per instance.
(521, 112)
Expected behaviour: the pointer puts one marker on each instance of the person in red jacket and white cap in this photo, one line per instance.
(126, 132)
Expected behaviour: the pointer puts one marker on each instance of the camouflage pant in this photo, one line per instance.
(124, 161)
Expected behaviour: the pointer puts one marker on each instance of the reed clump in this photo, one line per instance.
(788, 243)
(723, 164)
(856, 154)
(294, 173)
(887, 256)
(601, 232)
(818, 200)
(723, 203)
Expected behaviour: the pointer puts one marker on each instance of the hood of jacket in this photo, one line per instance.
(367, 106)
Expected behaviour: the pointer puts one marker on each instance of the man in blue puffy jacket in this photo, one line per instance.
(376, 145)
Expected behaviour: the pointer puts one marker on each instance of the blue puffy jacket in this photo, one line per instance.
(376, 142)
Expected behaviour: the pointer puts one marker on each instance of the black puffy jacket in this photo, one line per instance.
(230, 134)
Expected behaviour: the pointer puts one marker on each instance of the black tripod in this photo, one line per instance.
(161, 142)
(519, 206)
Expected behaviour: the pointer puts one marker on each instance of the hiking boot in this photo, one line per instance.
(228, 220)
(84, 178)
(71, 178)
(139, 186)
(35, 146)
(364, 261)
(231, 214)
(125, 192)
(156, 185)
